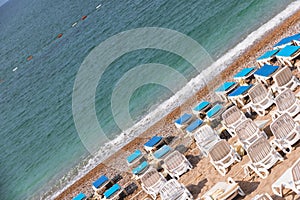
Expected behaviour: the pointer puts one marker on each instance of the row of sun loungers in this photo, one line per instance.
(245, 94)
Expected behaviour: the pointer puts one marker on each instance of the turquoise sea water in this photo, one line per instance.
(39, 143)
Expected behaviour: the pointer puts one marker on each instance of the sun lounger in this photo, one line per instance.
(214, 112)
(262, 157)
(224, 89)
(162, 152)
(201, 108)
(174, 190)
(238, 95)
(134, 159)
(265, 73)
(101, 184)
(287, 54)
(266, 57)
(232, 117)
(224, 191)
(140, 168)
(80, 196)
(291, 40)
(265, 196)
(153, 143)
(206, 138)
(176, 164)
(152, 181)
(286, 102)
(194, 126)
(244, 74)
(183, 121)
(261, 99)
(113, 192)
(290, 179)
(247, 132)
(222, 155)
(283, 80)
(286, 132)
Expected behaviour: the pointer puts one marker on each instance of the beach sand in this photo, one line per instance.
(203, 175)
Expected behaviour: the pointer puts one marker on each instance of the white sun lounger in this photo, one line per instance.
(262, 157)
(232, 117)
(265, 196)
(176, 164)
(284, 79)
(174, 190)
(286, 132)
(290, 179)
(222, 155)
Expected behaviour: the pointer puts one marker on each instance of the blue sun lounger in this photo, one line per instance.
(224, 89)
(100, 183)
(265, 72)
(153, 142)
(287, 41)
(111, 192)
(132, 158)
(161, 152)
(244, 73)
(214, 111)
(266, 57)
(201, 107)
(194, 125)
(288, 51)
(80, 196)
(241, 90)
(183, 120)
(140, 168)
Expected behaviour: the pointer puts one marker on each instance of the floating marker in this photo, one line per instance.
(73, 25)
(83, 17)
(29, 57)
(97, 7)
(59, 35)
(15, 69)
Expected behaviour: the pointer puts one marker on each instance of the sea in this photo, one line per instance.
(41, 151)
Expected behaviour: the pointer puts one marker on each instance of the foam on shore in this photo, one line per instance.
(176, 100)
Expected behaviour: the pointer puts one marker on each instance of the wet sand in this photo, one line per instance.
(203, 176)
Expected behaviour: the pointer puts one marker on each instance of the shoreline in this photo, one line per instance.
(112, 165)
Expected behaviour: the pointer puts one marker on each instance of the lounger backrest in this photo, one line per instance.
(170, 187)
(150, 178)
(282, 126)
(262, 197)
(258, 93)
(246, 129)
(296, 173)
(204, 133)
(231, 115)
(219, 151)
(285, 100)
(259, 150)
(283, 76)
(174, 160)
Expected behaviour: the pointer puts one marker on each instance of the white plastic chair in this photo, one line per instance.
(284, 79)
(172, 189)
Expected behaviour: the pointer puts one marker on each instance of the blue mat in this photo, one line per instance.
(100, 181)
(140, 168)
(184, 118)
(288, 51)
(80, 196)
(240, 90)
(266, 70)
(153, 141)
(194, 125)
(244, 72)
(201, 105)
(214, 110)
(225, 86)
(137, 153)
(162, 151)
(268, 54)
(288, 40)
(112, 190)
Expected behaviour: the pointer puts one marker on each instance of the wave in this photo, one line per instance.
(169, 105)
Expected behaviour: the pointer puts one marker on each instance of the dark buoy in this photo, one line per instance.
(59, 35)
(29, 57)
(83, 17)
